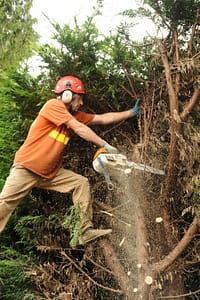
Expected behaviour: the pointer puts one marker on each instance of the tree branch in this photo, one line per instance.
(194, 28)
(177, 58)
(173, 101)
(88, 277)
(132, 93)
(178, 296)
(193, 100)
(176, 252)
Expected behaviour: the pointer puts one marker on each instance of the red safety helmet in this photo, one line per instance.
(70, 83)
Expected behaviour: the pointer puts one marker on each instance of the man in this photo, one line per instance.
(38, 162)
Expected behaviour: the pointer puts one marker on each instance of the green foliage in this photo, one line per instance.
(29, 95)
(76, 53)
(9, 120)
(25, 227)
(99, 61)
(13, 282)
(73, 220)
(16, 32)
(115, 69)
(178, 12)
(170, 15)
(32, 229)
(20, 102)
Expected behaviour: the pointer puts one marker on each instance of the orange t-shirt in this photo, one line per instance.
(43, 149)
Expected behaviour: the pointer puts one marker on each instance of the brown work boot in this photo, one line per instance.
(91, 234)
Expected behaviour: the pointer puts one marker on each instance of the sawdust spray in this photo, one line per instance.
(133, 212)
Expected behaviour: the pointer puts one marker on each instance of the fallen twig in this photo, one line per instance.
(86, 275)
(98, 265)
(178, 296)
(111, 215)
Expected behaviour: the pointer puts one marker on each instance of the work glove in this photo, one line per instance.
(136, 110)
(109, 148)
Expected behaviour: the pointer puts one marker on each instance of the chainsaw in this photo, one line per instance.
(111, 164)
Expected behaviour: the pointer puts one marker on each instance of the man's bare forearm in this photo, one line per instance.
(85, 132)
(112, 117)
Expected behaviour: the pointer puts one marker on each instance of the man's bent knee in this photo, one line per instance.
(84, 181)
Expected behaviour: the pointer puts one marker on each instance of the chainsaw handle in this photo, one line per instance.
(109, 186)
(106, 175)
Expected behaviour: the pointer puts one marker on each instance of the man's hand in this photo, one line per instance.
(110, 149)
(136, 110)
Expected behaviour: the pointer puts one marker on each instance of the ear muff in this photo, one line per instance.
(67, 96)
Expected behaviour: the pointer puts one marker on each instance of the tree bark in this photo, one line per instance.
(115, 265)
(192, 102)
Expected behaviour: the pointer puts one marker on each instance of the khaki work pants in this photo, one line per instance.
(20, 182)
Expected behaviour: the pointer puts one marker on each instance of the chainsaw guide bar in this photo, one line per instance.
(110, 164)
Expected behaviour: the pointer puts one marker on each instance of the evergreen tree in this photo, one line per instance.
(17, 34)
(116, 70)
